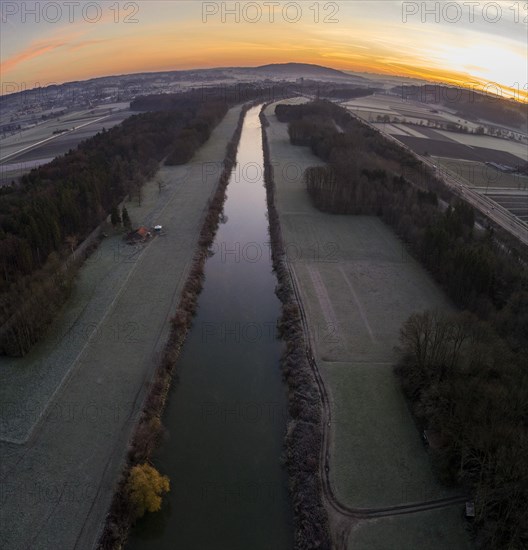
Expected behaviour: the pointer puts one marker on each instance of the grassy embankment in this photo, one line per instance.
(356, 296)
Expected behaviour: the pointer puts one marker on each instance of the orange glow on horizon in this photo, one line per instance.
(79, 53)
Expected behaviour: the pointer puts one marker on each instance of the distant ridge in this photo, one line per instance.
(284, 71)
(303, 69)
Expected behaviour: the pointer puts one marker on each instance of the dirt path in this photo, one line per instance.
(340, 508)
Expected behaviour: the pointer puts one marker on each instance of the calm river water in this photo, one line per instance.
(227, 416)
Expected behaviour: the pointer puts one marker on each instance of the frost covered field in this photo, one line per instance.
(72, 403)
(489, 142)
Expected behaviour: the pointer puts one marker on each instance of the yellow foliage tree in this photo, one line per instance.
(145, 488)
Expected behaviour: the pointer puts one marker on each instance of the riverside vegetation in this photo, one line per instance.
(304, 435)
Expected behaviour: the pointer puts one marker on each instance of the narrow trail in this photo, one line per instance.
(331, 499)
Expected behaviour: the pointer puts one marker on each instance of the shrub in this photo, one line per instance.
(145, 487)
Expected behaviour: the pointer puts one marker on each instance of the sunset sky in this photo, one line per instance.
(485, 42)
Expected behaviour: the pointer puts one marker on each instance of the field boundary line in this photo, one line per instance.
(359, 304)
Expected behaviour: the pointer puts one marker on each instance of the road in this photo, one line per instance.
(41, 142)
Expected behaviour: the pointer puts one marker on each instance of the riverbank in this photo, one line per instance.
(356, 285)
(226, 418)
(305, 431)
(77, 396)
(149, 431)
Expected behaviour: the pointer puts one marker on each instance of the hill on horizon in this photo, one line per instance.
(303, 69)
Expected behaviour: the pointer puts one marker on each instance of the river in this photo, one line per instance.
(226, 416)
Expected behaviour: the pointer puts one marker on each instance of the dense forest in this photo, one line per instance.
(230, 94)
(56, 206)
(465, 376)
(470, 104)
(465, 383)
(347, 92)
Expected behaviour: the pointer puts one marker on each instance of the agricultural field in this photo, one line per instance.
(508, 191)
(412, 130)
(36, 146)
(453, 117)
(480, 175)
(400, 129)
(452, 149)
(515, 148)
(433, 134)
(404, 108)
(68, 407)
(358, 285)
(409, 130)
(27, 145)
(388, 102)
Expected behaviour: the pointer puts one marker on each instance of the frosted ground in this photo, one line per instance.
(357, 289)
(69, 407)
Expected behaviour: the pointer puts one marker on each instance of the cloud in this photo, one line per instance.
(32, 51)
(38, 49)
(84, 43)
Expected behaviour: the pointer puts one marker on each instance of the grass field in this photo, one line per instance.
(379, 457)
(88, 378)
(434, 530)
(358, 285)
